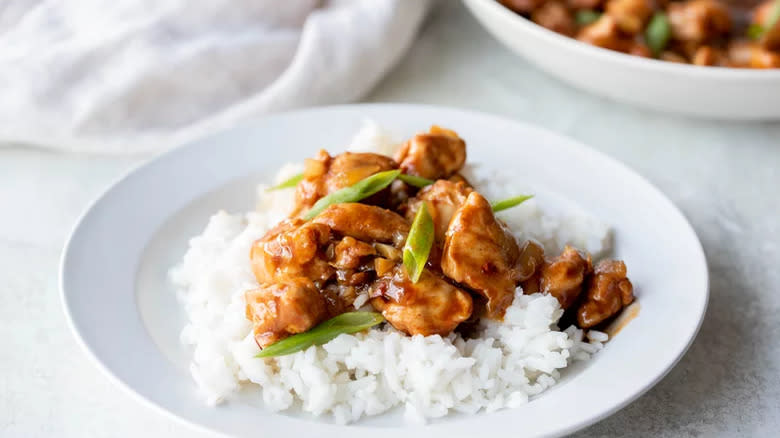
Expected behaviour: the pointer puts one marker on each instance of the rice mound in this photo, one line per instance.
(370, 373)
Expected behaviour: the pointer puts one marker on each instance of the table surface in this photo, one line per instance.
(724, 176)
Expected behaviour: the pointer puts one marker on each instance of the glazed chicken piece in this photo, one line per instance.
(604, 33)
(708, 55)
(443, 199)
(554, 15)
(607, 291)
(671, 56)
(324, 174)
(563, 276)
(458, 178)
(698, 21)
(529, 266)
(286, 307)
(752, 55)
(439, 154)
(630, 15)
(480, 253)
(522, 6)
(763, 58)
(432, 306)
(368, 223)
(293, 248)
(584, 4)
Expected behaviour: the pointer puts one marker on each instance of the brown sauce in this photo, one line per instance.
(627, 315)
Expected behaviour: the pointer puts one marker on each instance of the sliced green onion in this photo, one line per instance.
(416, 181)
(658, 32)
(754, 31)
(585, 17)
(418, 244)
(350, 322)
(288, 183)
(509, 203)
(354, 193)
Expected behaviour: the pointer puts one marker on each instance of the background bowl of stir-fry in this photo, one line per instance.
(706, 58)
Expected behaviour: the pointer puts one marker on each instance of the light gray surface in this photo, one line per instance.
(724, 176)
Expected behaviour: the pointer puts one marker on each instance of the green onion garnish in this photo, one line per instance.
(754, 31)
(658, 32)
(288, 183)
(585, 17)
(416, 181)
(418, 243)
(509, 203)
(350, 322)
(354, 193)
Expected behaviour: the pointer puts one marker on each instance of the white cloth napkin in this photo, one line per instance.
(139, 75)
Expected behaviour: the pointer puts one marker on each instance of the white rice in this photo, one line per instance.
(370, 373)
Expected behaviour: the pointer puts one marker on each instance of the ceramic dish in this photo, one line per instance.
(124, 312)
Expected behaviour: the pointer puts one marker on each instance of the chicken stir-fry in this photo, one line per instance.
(719, 33)
(319, 264)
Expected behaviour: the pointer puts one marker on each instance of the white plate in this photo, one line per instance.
(115, 293)
(725, 93)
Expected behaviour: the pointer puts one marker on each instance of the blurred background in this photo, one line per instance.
(90, 90)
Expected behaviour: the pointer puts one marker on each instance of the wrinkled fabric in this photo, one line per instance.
(140, 75)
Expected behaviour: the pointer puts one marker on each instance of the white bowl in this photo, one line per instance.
(723, 93)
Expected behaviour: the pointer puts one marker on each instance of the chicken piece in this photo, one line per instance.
(698, 21)
(368, 223)
(325, 174)
(708, 56)
(604, 33)
(638, 49)
(630, 15)
(770, 39)
(522, 6)
(432, 306)
(443, 199)
(350, 253)
(458, 178)
(763, 58)
(293, 248)
(740, 53)
(685, 49)
(584, 4)
(278, 310)
(554, 15)
(438, 154)
(529, 266)
(607, 291)
(751, 55)
(670, 56)
(480, 253)
(563, 276)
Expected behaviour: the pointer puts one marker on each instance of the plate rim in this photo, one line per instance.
(183, 148)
